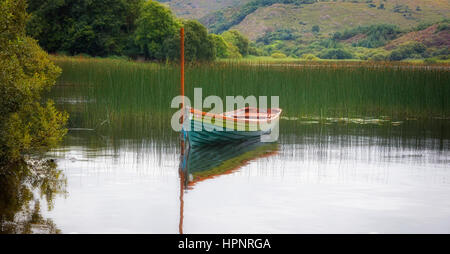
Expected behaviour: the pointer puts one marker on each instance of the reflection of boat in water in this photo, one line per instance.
(204, 162)
(200, 163)
(204, 128)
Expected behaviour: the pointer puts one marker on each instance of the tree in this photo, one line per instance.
(315, 29)
(233, 51)
(237, 39)
(278, 55)
(26, 72)
(98, 28)
(199, 46)
(310, 57)
(154, 25)
(254, 50)
(407, 50)
(225, 49)
(378, 57)
(335, 54)
(279, 34)
(375, 35)
(220, 45)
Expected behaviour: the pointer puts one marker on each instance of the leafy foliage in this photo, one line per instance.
(154, 25)
(98, 28)
(150, 30)
(220, 45)
(278, 55)
(25, 124)
(310, 57)
(408, 50)
(279, 34)
(336, 54)
(120, 27)
(237, 39)
(315, 29)
(225, 49)
(444, 25)
(199, 46)
(401, 8)
(375, 35)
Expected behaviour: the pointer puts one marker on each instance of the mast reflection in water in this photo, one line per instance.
(200, 163)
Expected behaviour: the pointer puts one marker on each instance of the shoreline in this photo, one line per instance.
(288, 62)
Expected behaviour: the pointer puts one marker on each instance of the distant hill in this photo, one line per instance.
(433, 36)
(337, 16)
(196, 9)
(256, 18)
(330, 29)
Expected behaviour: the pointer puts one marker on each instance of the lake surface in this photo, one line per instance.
(352, 165)
(330, 179)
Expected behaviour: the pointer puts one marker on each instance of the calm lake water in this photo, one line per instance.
(329, 179)
(380, 170)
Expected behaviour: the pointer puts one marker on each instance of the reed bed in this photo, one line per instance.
(123, 95)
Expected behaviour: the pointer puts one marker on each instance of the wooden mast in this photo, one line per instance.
(181, 173)
(182, 65)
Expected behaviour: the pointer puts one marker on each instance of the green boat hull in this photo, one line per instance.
(202, 133)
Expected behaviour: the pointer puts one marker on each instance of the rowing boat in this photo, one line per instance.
(203, 128)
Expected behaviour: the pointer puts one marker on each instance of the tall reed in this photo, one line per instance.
(125, 95)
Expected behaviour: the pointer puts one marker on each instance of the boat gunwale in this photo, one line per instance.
(224, 116)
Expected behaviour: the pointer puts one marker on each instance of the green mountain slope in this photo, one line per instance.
(437, 36)
(196, 9)
(255, 18)
(337, 16)
(333, 29)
